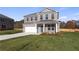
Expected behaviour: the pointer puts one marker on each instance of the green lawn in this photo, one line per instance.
(9, 32)
(61, 42)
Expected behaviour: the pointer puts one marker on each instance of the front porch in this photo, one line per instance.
(46, 28)
(42, 27)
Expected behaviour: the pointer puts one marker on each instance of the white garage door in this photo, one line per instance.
(30, 28)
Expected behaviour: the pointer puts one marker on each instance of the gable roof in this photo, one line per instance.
(3, 16)
(48, 10)
(44, 10)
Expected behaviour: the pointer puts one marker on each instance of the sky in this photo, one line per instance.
(17, 13)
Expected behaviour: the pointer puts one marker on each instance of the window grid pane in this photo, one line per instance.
(31, 18)
(46, 16)
(27, 19)
(35, 18)
(41, 17)
(52, 16)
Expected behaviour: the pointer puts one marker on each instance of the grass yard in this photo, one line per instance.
(10, 32)
(67, 41)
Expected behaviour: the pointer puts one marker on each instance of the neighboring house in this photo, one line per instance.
(45, 21)
(6, 23)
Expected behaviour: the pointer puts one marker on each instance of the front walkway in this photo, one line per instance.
(4, 37)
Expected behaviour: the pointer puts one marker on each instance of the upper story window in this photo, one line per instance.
(41, 17)
(2, 20)
(46, 16)
(27, 18)
(52, 16)
(35, 17)
(31, 18)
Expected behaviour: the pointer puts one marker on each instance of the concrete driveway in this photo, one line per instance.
(4, 37)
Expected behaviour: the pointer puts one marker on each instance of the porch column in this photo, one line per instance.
(36, 28)
(43, 27)
(23, 27)
(56, 28)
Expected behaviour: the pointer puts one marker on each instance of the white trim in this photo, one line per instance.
(56, 28)
(30, 28)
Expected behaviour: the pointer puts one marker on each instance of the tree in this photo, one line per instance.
(62, 24)
(19, 24)
(71, 24)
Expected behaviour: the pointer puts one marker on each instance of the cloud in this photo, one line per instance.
(63, 8)
(75, 16)
(64, 18)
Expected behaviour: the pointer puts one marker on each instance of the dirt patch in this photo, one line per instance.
(69, 30)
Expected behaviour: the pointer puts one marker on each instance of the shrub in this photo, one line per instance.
(57, 34)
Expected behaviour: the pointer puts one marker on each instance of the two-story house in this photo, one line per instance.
(45, 21)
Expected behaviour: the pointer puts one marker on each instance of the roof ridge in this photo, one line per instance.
(1, 15)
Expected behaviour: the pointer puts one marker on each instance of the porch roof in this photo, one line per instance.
(43, 22)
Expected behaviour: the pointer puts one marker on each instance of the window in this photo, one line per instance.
(27, 19)
(53, 25)
(48, 25)
(3, 26)
(2, 20)
(52, 28)
(46, 16)
(35, 17)
(41, 17)
(48, 28)
(52, 16)
(31, 18)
